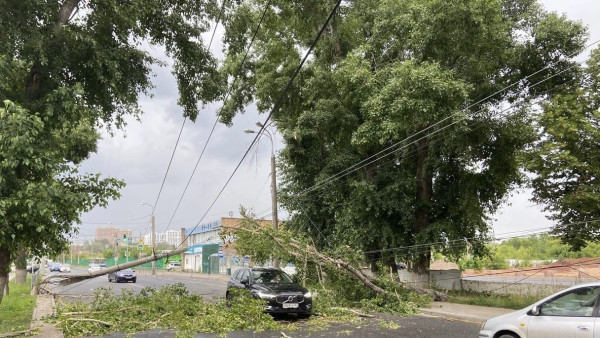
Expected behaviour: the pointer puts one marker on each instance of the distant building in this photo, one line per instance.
(210, 233)
(172, 237)
(111, 234)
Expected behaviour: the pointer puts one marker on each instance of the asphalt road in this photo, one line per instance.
(382, 325)
(209, 287)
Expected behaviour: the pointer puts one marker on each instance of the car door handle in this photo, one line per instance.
(583, 328)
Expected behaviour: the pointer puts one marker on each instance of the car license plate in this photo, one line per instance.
(290, 305)
(129, 277)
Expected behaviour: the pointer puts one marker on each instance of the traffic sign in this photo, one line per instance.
(140, 240)
(140, 247)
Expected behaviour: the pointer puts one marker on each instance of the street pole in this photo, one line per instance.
(153, 244)
(153, 236)
(274, 198)
(273, 179)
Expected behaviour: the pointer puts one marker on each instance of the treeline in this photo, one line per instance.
(526, 251)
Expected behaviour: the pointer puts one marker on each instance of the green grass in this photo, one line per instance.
(17, 308)
(485, 299)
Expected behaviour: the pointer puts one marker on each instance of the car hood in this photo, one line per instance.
(275, 287)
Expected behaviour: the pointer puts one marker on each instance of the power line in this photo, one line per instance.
(392, 148)
(184, 120)
(275, 107)
(239, 69)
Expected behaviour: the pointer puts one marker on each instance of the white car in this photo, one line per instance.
(96, 267)
(174, 266)
(65, 268)
(572, 312)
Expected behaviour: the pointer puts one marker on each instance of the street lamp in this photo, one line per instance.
(265, 131)
(152, 236)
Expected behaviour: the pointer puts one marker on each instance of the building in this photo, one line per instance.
(209, 250)
(111, 234)
(173, 237)
(210, 233)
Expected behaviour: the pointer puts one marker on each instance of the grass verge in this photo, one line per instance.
(515, 302)
(16, 309)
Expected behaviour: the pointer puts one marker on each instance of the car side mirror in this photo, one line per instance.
(535, 310)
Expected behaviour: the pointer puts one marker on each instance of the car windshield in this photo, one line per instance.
(270, 276)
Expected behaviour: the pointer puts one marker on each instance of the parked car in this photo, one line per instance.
(125, 275)
(55, 267)
(276, 287)
(572, 312)
(174, 266)
(31, 268)
(65, 268)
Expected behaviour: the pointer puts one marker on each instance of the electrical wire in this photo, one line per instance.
(239, 69)
(275, 108)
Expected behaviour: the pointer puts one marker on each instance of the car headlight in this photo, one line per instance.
(308, 294)
(265, 295)
(483, 325)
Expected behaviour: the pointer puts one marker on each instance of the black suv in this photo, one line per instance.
(282, 294)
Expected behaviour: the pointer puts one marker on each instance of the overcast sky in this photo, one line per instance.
(140, 155)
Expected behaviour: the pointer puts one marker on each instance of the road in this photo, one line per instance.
(210, 287)
(382, 326)
(213, 288)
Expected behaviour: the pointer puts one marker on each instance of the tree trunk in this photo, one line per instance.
(4, 286)
(21, 265)
(424, 193)
(4, 269)
(7, 288)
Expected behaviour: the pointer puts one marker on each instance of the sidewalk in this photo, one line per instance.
(44, 306)
(474, 313)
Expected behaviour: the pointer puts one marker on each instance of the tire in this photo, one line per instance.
(508, 335)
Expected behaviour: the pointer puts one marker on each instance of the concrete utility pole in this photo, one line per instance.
(153, 243)
(153, 235)
(273, 179)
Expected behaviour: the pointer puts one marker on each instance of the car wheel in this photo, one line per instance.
(508, 335)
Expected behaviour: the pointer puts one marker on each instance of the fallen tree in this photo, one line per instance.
(65, 279)
(261, 242)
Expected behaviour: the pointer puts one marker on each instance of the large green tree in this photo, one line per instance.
(68, 67)
(566, 159)
(427, 79)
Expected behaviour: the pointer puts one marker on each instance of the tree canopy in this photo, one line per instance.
(396, 131)
(566, 159)
(68, 67)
